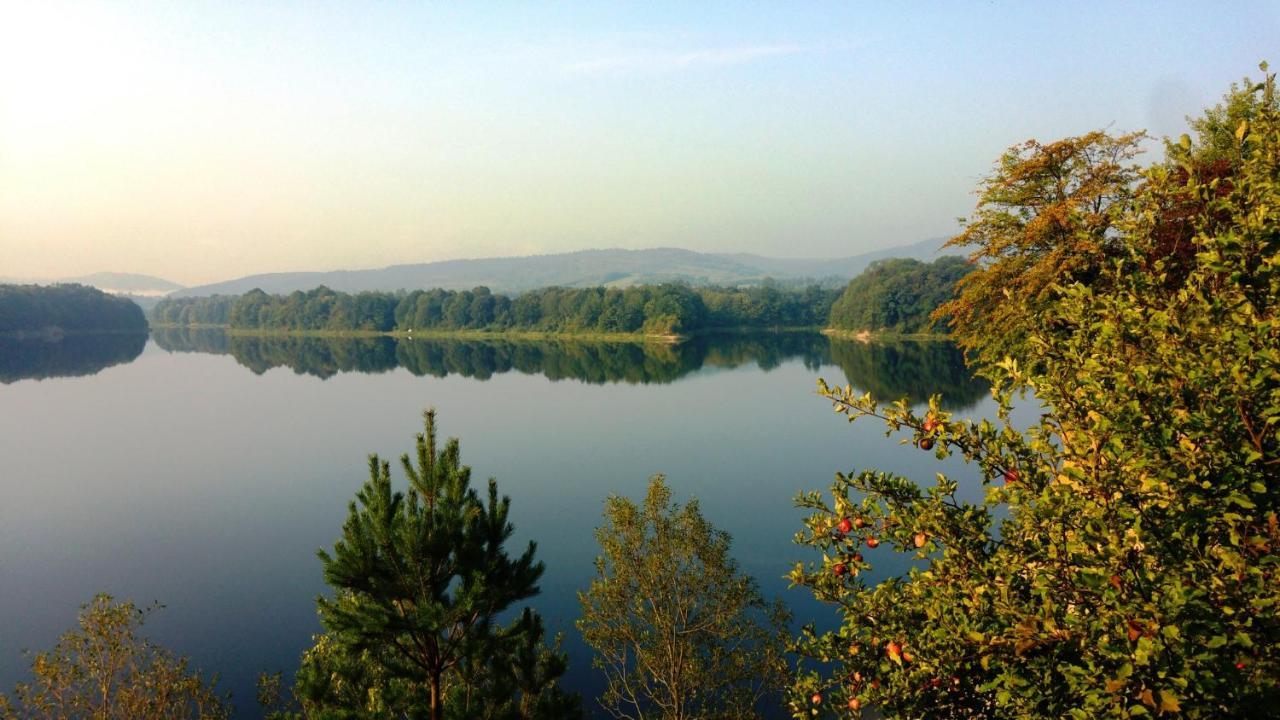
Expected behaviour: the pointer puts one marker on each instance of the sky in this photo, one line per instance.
(205, 141)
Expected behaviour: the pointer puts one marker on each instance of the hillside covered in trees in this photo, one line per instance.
(649, 309)
(67, 308)
(898, 295)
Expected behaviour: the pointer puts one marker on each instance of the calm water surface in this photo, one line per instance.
(203, 471)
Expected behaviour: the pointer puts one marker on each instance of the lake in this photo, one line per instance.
(203, 471)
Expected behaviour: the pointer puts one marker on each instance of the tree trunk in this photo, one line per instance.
(437, 712)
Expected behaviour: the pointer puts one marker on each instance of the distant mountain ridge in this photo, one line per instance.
(127, 283)
(115, 283)
(585, 268)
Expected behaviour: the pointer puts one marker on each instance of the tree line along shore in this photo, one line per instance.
(895, 295)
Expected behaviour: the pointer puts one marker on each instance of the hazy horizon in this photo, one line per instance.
(212, 141)
(288, 271)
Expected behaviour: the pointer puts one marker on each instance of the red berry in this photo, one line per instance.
(1239, 666)
(845, 525)
(859, 523)
(1011, 476)
(930, 424)
(855, 704)
(872, 542)
(817, 698)
(926, 443)
(839, 569)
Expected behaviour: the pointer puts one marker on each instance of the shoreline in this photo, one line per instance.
(867, 336)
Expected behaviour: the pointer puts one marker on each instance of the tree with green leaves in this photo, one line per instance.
(679, 631)
(898, 295)
(421, 577)
(105, 671)
(1215, 128)
(1122, 556)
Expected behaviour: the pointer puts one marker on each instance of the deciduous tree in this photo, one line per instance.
(1123, 557)
(678, 630)
(104, 670)
(1045, 218)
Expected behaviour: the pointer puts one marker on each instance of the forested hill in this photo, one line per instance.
(588, 268)
(898, 295)
(67, 308)
(651, 309)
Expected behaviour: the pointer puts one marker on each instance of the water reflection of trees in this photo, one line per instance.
(767, 351)
(67, 356)
(908, 369)
(321, 357)
(603, 362)
(196, 340)
(914, 370)
(590, 362)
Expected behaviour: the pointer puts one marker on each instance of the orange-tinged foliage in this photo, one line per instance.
(1044, 217)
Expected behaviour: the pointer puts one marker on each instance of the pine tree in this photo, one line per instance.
(421, 575)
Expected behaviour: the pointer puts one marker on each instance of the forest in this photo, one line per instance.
(666, 309)
(899, 295)
(896, 295)
(66, 308)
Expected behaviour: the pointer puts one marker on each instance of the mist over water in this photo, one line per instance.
(204, 472)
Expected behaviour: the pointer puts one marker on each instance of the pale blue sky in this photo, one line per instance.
(200, 141)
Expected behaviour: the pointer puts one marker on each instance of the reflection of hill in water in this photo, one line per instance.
(589, 362)
(69, 356)
(192, 340)
(913, 370)
(556, 359)
(596, 362)
(322, 357)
